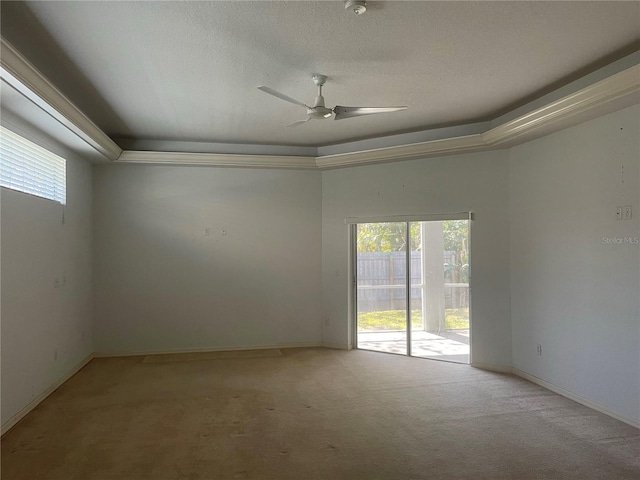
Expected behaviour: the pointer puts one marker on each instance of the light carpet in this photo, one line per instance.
(312, 414)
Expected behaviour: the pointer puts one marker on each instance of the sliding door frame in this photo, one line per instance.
(407, 258)
(353, 222)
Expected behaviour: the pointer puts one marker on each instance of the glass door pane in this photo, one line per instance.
(440, 290)
(381, 290)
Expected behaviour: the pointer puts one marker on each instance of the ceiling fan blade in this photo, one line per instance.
(281, 96)
(298, 123)
(348, 112)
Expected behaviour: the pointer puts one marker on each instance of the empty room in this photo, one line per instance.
(320, 240)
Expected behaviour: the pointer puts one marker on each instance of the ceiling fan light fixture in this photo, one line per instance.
(357, 6)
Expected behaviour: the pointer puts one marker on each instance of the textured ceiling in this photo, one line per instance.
(189, 70)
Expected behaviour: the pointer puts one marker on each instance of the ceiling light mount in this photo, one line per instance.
(356, 6)
(318, 79)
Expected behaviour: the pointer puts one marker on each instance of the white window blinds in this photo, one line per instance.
(29, 168)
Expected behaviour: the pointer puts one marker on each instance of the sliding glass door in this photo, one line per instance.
(382, 287)
(412, 288)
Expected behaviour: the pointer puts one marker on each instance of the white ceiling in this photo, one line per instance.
(188, 71)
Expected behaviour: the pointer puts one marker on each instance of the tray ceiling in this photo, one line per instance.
(188, 71)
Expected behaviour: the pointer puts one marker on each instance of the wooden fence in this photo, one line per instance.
(382, 282)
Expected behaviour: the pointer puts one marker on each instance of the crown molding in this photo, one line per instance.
(26, 79)
(625, 83)
(217, 159)
(448, 146)
(432, 148)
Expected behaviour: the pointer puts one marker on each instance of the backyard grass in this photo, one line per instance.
(395, 319)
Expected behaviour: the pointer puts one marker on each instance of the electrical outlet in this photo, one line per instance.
(326, 321)
(626, 212)
(618, 213)
(207, 232)
(56, 283)
(539, 349)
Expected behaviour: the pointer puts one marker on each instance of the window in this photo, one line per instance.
(29, 168)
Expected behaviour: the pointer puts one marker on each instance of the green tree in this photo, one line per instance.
(456, 240)
(387, 237)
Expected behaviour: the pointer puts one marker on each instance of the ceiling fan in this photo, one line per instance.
(319, 111)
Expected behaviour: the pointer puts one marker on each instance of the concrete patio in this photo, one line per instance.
(449, 345)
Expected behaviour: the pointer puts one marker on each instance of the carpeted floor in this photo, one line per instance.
(312, 414)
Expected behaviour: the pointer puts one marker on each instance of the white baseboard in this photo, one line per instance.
(634, 422)
(492, 368)
(13, 421)
(206, 349)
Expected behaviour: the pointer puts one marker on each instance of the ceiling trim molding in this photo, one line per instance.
(217, 159)
(432, 148)
(595, 95)
(448, 146)
(18, 72)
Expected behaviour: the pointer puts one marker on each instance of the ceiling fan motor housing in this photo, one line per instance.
(319, 111)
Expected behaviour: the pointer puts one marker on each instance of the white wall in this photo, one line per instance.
(46, 331)
(476, 182)
(571, 293)
(161, 284)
